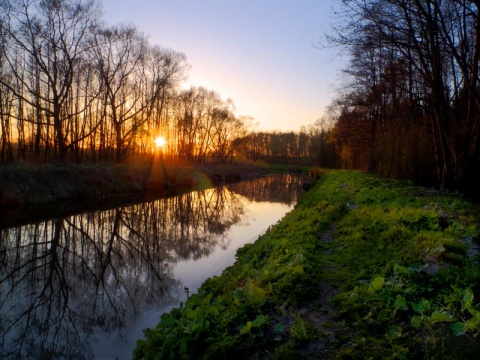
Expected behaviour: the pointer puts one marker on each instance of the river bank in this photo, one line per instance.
(100, 277)
(30, 193)
(42, 184)
(361, 268)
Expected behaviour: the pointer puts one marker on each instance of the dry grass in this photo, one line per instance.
(42, 184)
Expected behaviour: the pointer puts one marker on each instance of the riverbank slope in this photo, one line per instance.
(363, 267)
(42, 184)
(30, 193)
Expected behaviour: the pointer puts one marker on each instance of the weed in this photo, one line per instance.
(406, 286)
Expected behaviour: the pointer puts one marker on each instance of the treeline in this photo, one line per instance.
(74, 89)
(412, 107)
(311, 145)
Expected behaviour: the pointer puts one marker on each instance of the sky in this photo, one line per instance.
(268, 56)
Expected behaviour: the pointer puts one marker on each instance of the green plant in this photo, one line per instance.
(405, 285)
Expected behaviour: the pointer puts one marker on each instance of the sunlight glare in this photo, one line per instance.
(160, 141)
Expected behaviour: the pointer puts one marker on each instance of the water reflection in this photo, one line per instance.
(64, 279)
(284, 189)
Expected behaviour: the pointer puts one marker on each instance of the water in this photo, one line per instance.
(85, 286)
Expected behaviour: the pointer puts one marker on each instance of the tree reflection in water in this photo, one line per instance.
(62, 279)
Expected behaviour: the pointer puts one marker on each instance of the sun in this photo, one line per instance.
(160, 141)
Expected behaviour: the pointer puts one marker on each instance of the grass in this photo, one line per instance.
(42, 184)
(363, 267)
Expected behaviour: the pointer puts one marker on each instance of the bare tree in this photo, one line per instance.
(118, 56)
(165, 69)
(415, 60)
(51, 35)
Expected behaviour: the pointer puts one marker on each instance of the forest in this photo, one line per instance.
(411, 107)
(73, 89)
(76, 90)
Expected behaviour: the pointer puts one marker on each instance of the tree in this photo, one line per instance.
(415, 61)
(50, 36)
(118, 58)
(164, 71)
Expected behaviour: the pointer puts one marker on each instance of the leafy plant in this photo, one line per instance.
(400, 264)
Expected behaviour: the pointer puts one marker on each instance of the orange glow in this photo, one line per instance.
(160, 141)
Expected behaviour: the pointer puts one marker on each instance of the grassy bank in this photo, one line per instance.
(42, 184)
(362, 268)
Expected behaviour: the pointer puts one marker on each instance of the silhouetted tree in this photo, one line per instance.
(414, 75)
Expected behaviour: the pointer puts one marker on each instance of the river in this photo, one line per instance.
(85, 286)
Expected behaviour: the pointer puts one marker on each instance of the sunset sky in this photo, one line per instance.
(263, 54)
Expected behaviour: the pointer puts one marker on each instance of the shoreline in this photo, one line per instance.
(42, 184)
(30, 193)
(359, 261)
